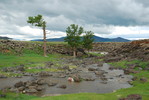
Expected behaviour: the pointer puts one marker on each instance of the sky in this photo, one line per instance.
(106, 18)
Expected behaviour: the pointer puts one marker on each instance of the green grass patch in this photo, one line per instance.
(13, 60)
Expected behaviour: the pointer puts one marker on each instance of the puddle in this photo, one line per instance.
(115, 79)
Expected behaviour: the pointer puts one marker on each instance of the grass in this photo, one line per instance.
(13, 60)
(124, 63)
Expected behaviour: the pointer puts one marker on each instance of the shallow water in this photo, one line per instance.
(115, 80)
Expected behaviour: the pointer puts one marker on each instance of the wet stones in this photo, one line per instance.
(33, 86)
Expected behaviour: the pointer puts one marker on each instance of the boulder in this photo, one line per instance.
(19, 84)
(77, 78)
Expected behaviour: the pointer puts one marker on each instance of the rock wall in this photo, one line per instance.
(107, 46)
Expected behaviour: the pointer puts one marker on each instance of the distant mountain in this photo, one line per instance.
(5, 38)
(96, 39)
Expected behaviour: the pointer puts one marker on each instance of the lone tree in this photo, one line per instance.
(88, 40)
(39, 22)
(74, 37)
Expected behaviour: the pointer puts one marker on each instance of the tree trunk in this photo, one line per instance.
(44, 40)
(74, 52)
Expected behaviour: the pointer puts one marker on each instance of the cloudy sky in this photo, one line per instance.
(106, 18)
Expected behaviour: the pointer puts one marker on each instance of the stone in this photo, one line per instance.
(44, 74)
(14, 90)
(39, 88)
(21, 88)
(132, 97)
(2, 95)
(52, 84)
(31, 91)
(134, 78)
(99, 72)
(143, 79)
(62, 86)
(3, 76)
(19, 84)
(77, 78)
(92, 69)
(41, 82)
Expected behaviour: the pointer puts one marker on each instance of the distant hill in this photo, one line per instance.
(96, 39)
(5, 38)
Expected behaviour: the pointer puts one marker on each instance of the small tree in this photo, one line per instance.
(74, 37)
(88, 40)
(39, 22)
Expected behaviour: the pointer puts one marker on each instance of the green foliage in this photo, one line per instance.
(88, 40)
(37, 21)
(73, 35)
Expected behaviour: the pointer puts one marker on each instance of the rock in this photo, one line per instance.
(92, 69)
(21, 88)
(103, 78)
(104, 82)
(19, 84)
(2, 95)
(77, 78)
(31, 91)
(52, 84)
(134, 78)
(111, 68)
(128, 71)
(65, 67)
(99, 73)
(89, 79)
(143, 79)
(39, 88)
(113, 59)
(147, 68)
(32, 87)
(41, 82)
(44, 74)
(21, 68)
(62, 86)
(3, 76)
(14, 90)
(132, 97)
